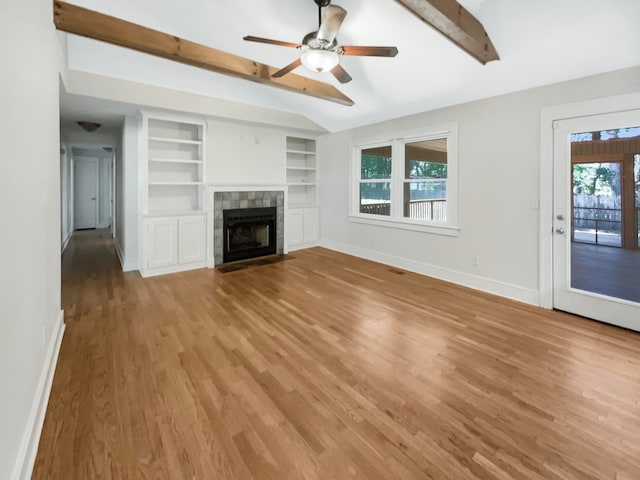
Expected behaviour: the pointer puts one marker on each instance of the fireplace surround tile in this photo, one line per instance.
(246, 199)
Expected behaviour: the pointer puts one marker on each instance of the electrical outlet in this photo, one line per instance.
(475, 261)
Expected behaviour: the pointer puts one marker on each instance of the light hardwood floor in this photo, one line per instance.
(329, 367)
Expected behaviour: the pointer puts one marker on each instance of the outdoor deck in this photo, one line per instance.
(606, 270)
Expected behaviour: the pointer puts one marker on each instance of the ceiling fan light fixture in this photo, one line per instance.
(320, 60)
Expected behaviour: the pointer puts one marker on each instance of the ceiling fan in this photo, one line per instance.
(320, 50)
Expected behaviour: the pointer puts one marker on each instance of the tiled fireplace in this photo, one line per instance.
(249, 226)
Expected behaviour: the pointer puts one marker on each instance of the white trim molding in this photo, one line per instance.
(29, 446)
(483, 284)
(127, 265)
(66, 242)
(433, 227)
(549, 116)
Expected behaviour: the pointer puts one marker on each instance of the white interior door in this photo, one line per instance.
(85, 192)
(596, 273)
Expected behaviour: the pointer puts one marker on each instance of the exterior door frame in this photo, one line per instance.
(548, 118)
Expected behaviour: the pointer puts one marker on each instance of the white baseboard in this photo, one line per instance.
(476, 282)
(127, 265)
(29, 447)
(302, 246)
(66, 242)
(153, 272)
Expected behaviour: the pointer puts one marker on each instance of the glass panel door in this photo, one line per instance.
(636, 180)
(596, 270)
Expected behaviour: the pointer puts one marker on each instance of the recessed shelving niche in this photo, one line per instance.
(175, 166)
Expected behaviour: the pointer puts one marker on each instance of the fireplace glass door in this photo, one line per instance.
(249, 233)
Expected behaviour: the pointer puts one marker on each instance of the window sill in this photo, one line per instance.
(438, 229)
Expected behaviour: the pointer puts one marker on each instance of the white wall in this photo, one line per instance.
(239, 154)
(498, 182)
(30, 213)
(127, 195)
(118, 194)
(66, 199)
(104, 191)
(151, 96)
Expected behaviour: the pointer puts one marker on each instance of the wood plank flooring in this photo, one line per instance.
(329, 367)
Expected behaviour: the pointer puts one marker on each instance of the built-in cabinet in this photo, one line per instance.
(302, 226)
(161, 242)
(175, 243)
(172, 173)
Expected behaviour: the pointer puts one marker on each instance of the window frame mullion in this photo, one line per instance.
(397, 174)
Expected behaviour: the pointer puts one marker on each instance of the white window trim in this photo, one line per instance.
(397, 219)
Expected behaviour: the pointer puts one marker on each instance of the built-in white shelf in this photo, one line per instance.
(177, 183)
(175, 160)
(300, 152)
(301, 172)
(173, 230)
(175, 152)
(175, 140)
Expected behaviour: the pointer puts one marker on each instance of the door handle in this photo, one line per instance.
(560, 230)
(93, 198)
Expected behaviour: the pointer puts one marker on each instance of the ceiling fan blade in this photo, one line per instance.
(292, 66)
(251, 38)
(333, 18)
(341, 74)
(357, 51)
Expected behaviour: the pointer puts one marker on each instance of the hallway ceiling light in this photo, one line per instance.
(89, 126)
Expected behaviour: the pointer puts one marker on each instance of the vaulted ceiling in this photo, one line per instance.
(539, 42)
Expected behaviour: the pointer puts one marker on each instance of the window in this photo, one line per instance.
(375, 180)
(425, 180)
(408, 182)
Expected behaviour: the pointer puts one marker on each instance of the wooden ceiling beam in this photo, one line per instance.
(91, 24)
(457, 24)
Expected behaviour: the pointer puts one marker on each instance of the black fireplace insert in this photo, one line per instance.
(249, 233)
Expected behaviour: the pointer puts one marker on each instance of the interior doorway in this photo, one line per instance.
(596, 200)
(85, 192)
(93, 188)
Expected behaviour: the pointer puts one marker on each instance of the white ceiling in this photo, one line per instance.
(539, 42)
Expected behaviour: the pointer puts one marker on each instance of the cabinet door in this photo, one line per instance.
(311, 225)
(162, 242)
(295, 227)
(191, 239)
